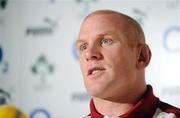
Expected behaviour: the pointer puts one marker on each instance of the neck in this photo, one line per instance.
(111, 108)
(116, 108)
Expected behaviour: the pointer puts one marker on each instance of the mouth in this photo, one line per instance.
(95, 70)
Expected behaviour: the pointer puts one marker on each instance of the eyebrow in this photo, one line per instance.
(78, 41)
(105, 33)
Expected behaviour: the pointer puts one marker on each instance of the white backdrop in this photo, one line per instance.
(38, 63)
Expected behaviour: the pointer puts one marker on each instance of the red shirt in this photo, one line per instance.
(148, 106)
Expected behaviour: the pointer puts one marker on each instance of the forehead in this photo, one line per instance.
(103, 21)
(100, 24)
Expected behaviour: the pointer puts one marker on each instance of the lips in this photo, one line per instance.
(95, 70)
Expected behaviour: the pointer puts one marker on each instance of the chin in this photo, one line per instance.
(96, 92)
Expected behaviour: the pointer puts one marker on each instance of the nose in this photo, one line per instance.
(93, 53)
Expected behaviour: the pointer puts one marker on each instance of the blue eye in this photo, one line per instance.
(106, 41)
(83, 47)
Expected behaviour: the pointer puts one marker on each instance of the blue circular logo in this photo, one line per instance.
(74, 51)
(40, 111)
(171, 39)
(1, 54)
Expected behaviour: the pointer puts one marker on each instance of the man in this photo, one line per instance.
(113, 57)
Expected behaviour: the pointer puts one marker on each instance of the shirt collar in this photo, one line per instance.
(144, 108)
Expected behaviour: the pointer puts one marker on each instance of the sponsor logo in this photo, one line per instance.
(171, 39)
(86, 5)
(1, 54)
(4, 65)
(80, 96)
(140, 16)
(4, 97)
(48, 28)
(42, 68)
(74, 51)
(40, 113)
(3, 4)
(39, 30)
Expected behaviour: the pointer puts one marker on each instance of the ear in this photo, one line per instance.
(143, 56)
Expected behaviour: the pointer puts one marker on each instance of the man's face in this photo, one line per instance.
(106, 60)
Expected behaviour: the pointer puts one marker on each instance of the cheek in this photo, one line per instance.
(124, 67)
(82, 66)
(113, 59)
(119, 63)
